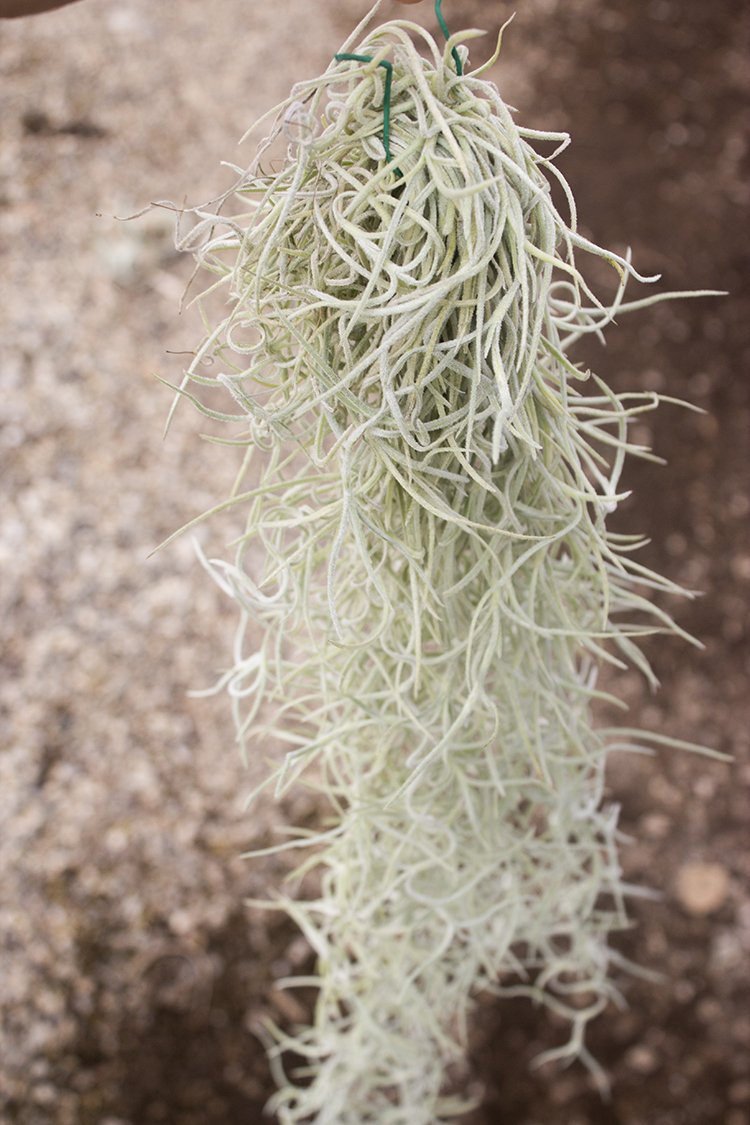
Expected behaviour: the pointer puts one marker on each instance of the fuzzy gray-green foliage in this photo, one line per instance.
(426, 552)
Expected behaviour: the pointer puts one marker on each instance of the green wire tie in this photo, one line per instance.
(388, 67)
(346, 56)
(447, 34)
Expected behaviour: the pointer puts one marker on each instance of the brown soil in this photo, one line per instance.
(132, 972)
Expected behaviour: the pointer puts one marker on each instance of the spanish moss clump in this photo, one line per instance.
(427, 480)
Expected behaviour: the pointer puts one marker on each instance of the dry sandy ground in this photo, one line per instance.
(131, 973)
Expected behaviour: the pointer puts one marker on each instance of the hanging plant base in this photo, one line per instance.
(425, 548)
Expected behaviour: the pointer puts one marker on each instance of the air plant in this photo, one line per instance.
(427, 479)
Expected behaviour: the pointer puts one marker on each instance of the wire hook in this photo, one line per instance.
(388, 67)
(346, 56)
(447, 34)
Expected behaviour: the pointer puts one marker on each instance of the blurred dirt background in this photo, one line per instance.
(131, 973)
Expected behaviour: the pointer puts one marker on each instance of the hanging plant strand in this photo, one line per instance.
(426, 561)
